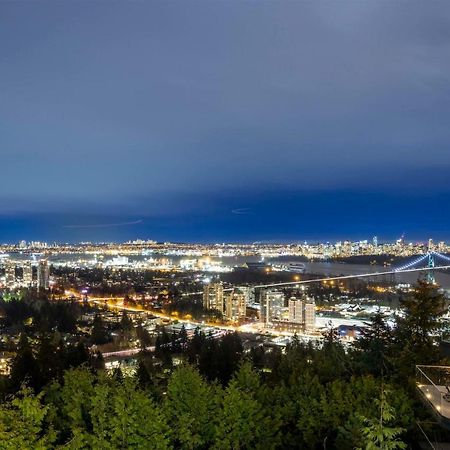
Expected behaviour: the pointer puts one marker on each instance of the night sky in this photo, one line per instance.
(224, 120)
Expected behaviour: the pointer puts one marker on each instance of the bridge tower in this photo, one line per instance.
(430, 265)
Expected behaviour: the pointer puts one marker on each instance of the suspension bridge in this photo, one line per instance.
(427, 261)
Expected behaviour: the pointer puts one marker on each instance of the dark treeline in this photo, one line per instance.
(202, 393)
(115, 282)
(46, 362)
(33, 311)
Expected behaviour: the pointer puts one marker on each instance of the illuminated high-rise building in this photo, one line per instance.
(295, 310)
(309, 314)
(27, 276)
(235, 305)
(272, 304)
(249, 292)
(43, 274)
(213, 296)
(10, 273)
(303, 312)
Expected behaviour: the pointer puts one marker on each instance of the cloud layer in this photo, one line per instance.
(162, 108)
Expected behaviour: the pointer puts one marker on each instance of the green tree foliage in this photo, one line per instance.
(320, 410)
(375, 346)
(243, 421)
(48, 362)
(148, 374)
(104, 412)
(77, 355)
(75, 405)
(416, 331)
(378, 434)
(191, 409)
(125, 417)
(22, 423)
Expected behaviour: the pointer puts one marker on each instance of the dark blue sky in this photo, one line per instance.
(224, 121)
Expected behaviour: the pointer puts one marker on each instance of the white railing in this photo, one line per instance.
(434, 383)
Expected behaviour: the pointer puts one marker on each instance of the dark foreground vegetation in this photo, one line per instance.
(202, 393)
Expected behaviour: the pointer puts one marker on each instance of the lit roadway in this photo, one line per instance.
(133, 351)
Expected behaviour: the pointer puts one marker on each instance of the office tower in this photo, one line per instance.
(295, 310)
(272, 304)
(235, 305)
(43, 274)
(10, 273)
(375, 241)
(27, 276)
(213, 296)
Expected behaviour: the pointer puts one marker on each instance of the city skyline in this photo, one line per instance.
(146, 240)
(415, 239)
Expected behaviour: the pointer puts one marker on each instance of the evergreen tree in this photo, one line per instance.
(96, 361)
(126, 324)
(243, 421)
(99, 334)
(24, 366)
(195, 346)
(228, 356)
(208, 359)
(175, 344)
(307, 397)
(46, 358)
(22, 423)
(76, 397)
(77, 355)
(143, 335)
(375, 346)
(66, 318)
(378, 434)
(163, 349)
(183, 337)
(190, 408)
(142, 375)
(332, 361)
(416, 331)
(124, 417)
